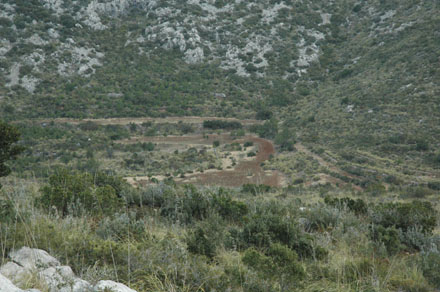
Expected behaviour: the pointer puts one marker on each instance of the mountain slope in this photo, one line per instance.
(338, 73)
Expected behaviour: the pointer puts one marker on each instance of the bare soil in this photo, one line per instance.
(247, 170)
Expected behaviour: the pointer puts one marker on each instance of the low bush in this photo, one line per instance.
(121, 226)
(255, 189)
(263, 229)
(228, 208)
(71, 192)
(405, 216)
(200, 243)
(278, 262)
(357, 206)
(430, 262)
(388, 236)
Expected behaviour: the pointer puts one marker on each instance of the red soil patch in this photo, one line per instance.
(244, 172)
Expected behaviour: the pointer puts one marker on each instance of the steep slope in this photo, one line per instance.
(339, 73)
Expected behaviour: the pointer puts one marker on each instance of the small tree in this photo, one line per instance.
(9, 136)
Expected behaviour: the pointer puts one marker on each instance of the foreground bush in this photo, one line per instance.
(74, 192)
(406, 215)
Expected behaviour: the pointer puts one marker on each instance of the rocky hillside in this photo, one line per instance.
(343, 68)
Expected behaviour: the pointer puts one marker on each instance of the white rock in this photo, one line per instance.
(5, 46)
(325, 18)
(14, 76)
(32, 258)
(53, 33)
(7, 286)
(114, 286)
(13, 271)
(62, 279)
(29, 83)
(194, 56)
(80, 285)
(36, 40)
(270, 14)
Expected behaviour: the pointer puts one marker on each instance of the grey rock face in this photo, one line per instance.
(113, 286)
(57, 278)
(62, 279)
(7, 286)
(32, 258)
(13, 271)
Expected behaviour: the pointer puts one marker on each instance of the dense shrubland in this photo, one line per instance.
(180, 237)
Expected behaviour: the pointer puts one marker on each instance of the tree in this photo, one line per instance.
(9, 136)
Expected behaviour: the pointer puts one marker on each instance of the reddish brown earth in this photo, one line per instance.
(246, 171)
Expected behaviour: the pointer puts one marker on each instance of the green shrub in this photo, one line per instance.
(279, 263)
(388, 236)
(322, 217)
(255, 189)
(264, 114)
(357, 206)
(227, 207)
(268, 130)
(434, 185)
(72, 192)
(430, 262)
(206, 236)
(405, 215)
(8, 213)
(361, 268)
(265, 228)
(121, 226)
(416, 192)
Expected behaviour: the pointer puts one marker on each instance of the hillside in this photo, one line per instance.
(358, 80)
(213, 145)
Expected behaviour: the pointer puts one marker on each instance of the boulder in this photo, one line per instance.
(57, 278)
(32, 258)
(62, 279)
(113, 286)
(7, 286)
(13, 271)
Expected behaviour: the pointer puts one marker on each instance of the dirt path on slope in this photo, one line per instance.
(246, 171)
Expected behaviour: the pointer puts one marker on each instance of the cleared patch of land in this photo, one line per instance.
(246, 169)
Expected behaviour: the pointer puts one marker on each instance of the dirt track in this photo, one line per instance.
(246, 171)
